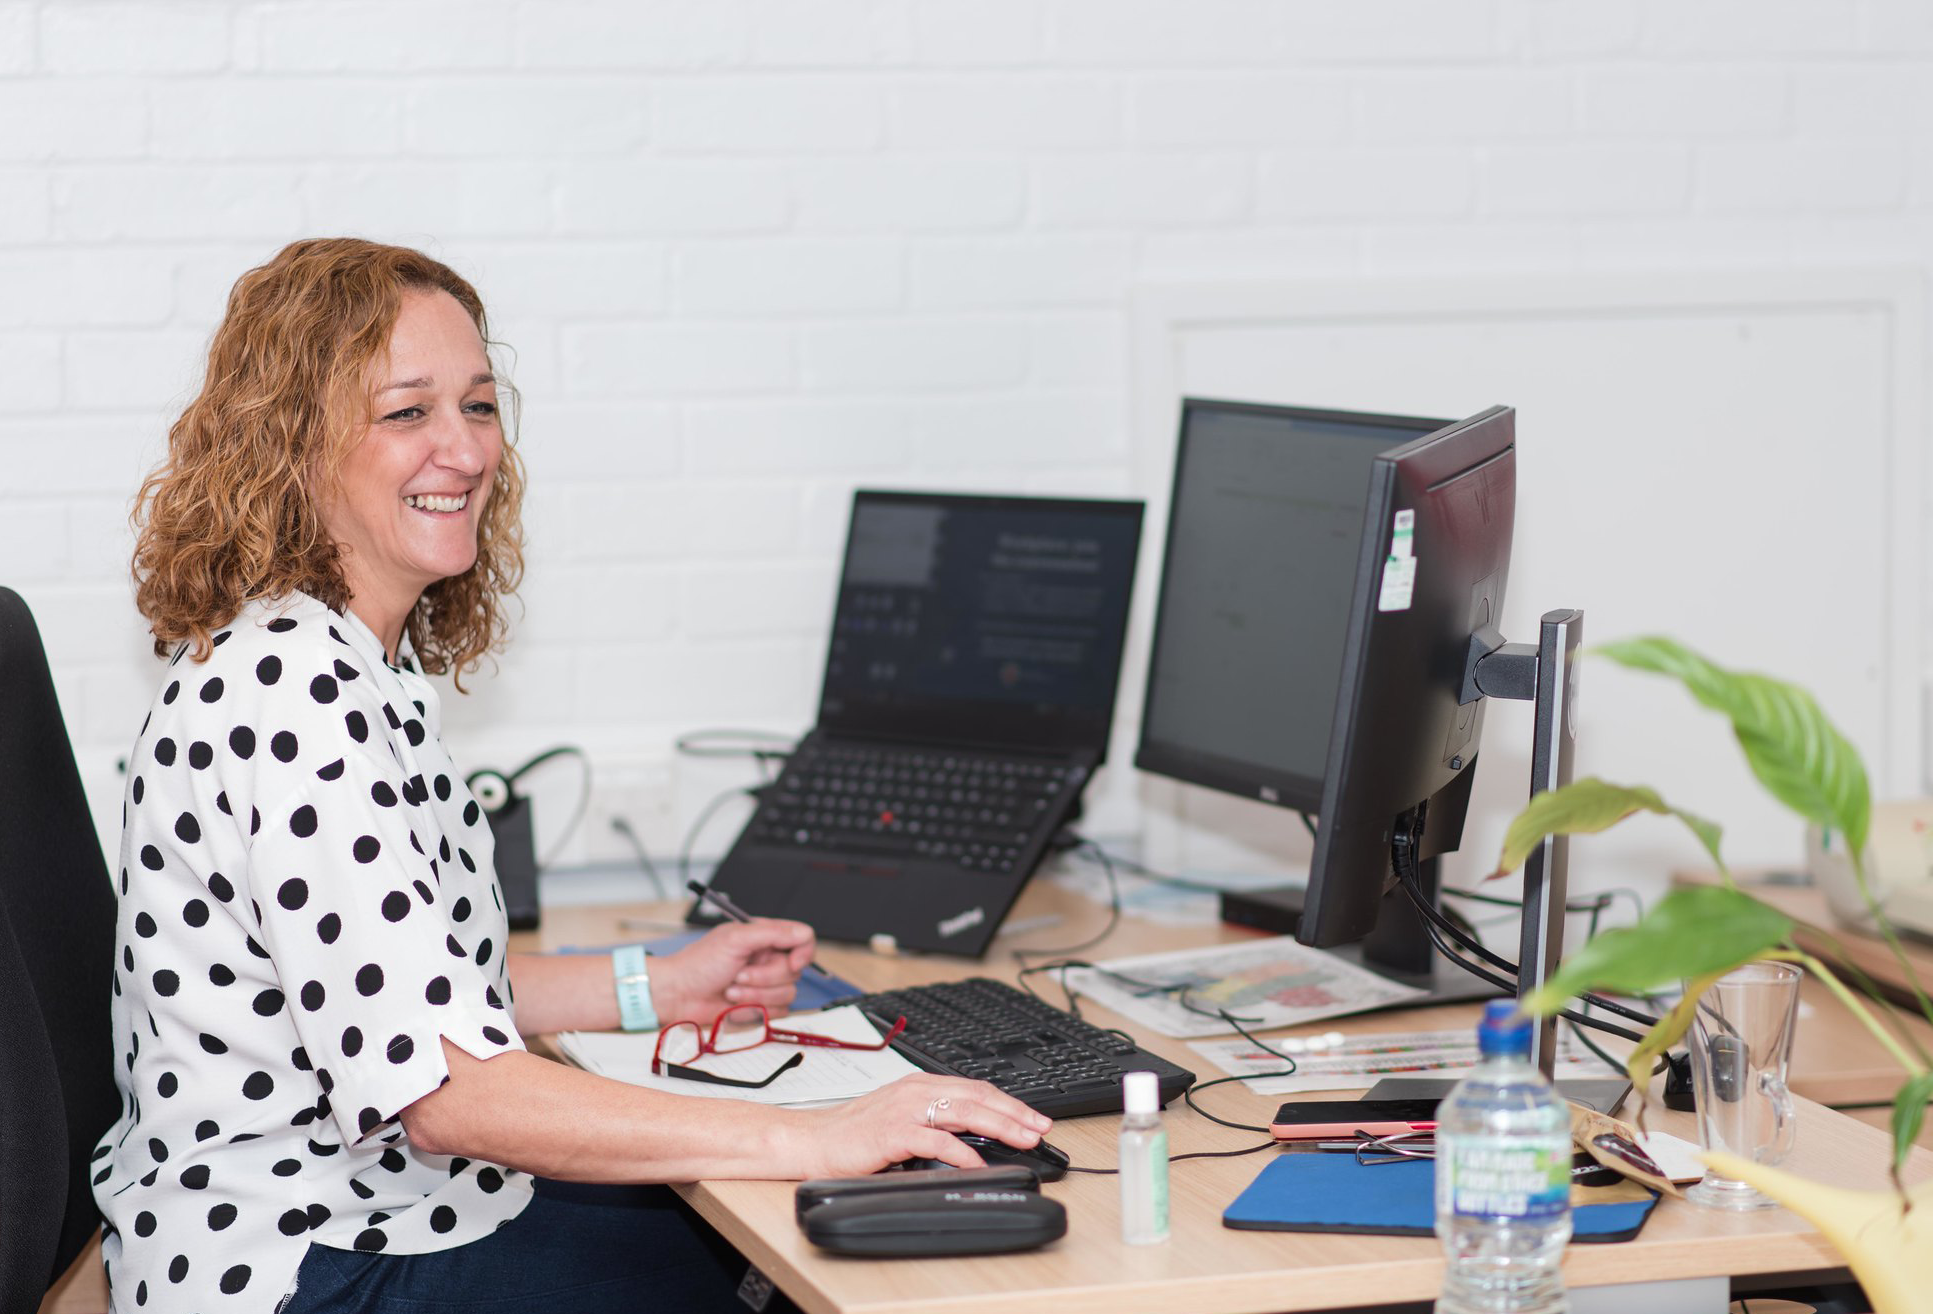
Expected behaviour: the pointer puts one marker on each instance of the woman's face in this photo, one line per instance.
(411, 491)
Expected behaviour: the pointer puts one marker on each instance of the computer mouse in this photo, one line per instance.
(1048, 1162)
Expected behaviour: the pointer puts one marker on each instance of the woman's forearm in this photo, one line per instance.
(563, 992)
(544, 1118)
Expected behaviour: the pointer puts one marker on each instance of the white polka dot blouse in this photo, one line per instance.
(307, 905)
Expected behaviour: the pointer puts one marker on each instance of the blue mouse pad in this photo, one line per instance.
(1304, 1192)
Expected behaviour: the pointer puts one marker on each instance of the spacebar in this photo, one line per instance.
(897, 848)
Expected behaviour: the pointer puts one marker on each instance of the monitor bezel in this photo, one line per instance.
(1275, 786)
(983, 722)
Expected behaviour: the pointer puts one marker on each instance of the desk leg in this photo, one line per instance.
(1712, 1295)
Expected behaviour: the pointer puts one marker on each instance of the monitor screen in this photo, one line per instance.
(996, 620)
(1264, 528)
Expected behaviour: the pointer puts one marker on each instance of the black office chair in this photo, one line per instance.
(57, 1092)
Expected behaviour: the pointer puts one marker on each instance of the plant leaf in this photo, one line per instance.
(1796, 753)
(1690, 933)
(1587, 806)
(1909, 1112)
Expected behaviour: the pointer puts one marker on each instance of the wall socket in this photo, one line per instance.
(644, 795)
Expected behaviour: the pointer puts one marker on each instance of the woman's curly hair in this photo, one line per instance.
(230, 516)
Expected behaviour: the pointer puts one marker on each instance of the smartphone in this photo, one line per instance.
(1324, 1119)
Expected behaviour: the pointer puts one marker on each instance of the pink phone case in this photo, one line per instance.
(1324, 1131)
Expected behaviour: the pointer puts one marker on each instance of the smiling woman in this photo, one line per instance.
(327, 1104)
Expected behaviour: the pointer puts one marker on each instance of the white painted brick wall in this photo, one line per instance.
(752, 253)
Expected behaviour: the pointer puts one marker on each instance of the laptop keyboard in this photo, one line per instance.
(1043, 1056)
(978, 810)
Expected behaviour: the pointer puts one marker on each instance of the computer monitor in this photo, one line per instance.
(1432, 559)
(1326, 633)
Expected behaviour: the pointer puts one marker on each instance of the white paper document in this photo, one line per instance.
(1260, 983)
(824, 1076)
(1350, 1062)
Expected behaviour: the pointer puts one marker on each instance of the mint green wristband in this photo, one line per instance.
(631, 968)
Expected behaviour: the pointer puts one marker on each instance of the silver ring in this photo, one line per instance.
(933, 1110)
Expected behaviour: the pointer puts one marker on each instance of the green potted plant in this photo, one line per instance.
(1697, 934)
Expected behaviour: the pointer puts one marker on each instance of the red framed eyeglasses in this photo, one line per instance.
(738, 1029)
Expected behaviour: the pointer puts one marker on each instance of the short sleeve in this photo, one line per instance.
(374, 971)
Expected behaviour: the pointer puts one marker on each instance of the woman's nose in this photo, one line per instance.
(460, 447)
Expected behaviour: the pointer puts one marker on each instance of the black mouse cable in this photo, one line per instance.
(1180, 990)
(1192, 1154)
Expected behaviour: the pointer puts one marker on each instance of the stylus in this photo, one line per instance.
(706, 894)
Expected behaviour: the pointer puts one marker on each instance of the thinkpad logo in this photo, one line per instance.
(954, 925)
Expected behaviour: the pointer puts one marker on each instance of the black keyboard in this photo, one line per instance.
(981, 811)
(1041, 1055)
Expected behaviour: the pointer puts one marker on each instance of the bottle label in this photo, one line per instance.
(1503, 1176)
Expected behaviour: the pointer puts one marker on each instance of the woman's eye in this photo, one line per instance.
(407, 413)
(482, 408)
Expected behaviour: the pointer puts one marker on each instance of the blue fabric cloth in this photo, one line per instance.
(607, 1249)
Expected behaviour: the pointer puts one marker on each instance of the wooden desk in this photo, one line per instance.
(1820, 932)
(1206, 1268)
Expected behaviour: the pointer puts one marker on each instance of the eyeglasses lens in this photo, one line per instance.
(679, 1043)
(740, 1028)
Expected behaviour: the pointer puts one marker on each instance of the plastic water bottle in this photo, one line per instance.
(1503, 1158)
(1144, 1161)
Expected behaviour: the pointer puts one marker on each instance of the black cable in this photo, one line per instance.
(1141, 869)
(1308, 822)
(1113, 915)
(623, 827)
(1596, 905)
(1509, 986)
(761, 745)
(509, 780)
(1195, 1154)
(1269, 1144)
(705, 815)
(1407, 880)
(1577, 1032)
(1188, 1096)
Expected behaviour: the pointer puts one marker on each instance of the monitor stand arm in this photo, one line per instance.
(1546, 675)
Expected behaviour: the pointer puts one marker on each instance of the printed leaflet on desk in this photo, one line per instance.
(1260, 983)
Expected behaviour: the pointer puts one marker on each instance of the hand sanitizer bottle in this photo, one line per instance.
(1144, 1162)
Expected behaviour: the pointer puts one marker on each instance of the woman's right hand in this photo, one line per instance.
(892, 1124)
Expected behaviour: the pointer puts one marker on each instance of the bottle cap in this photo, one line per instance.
(1503, 1030)
(1140, 1093)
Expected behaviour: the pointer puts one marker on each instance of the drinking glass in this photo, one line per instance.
(1741, 1046)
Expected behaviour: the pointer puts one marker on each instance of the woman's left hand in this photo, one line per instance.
(755, 962)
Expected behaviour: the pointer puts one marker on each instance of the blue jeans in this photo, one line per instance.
(574, 1248)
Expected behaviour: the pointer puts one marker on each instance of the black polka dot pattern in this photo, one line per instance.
(297, 853)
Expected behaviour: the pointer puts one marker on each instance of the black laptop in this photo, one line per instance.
(969, 686)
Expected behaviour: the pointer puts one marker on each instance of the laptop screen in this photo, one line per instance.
(984, 620)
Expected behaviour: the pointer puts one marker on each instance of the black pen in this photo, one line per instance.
(706, 894)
